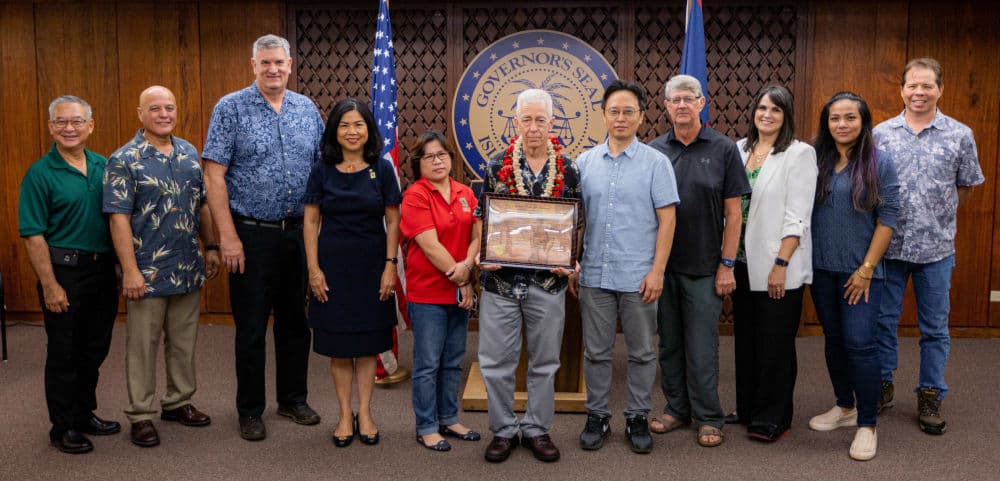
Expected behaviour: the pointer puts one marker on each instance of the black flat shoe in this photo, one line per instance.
(732, 418)
(469, 436)
(73, 442)
(366, 439)
(767, 433)
(343, 442)
(441, 445)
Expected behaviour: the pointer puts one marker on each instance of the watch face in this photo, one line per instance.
(728, 262)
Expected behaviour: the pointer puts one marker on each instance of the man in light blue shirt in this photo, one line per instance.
(629, 195)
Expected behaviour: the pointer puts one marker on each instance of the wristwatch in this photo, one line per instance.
(394, 260)
(728, 262)
(780, 262)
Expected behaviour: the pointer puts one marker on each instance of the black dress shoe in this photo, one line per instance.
(500, 448)
(96, 426)
(252, 428)
(73, 442)
(767, 433)
(733, 418)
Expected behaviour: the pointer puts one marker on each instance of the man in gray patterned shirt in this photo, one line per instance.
(936, 159)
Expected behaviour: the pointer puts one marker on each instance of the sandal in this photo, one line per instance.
(705, 432)
(441, 446)
(664, 423)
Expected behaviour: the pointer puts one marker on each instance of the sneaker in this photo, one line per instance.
(865, 444)
(252, 428)
(595, 432)
(637, 432)
(836, 417)
(885, 396)
(300, 413)
(929, 407)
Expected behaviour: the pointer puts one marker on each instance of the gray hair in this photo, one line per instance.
(682, 82)
(69, 99)
(270, 41)
(534, 97)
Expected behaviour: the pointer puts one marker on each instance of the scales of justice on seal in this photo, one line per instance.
(546, 235)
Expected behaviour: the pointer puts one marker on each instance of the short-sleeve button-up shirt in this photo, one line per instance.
(268, 155)
(620, 198)
(163, 196)
(931, 166)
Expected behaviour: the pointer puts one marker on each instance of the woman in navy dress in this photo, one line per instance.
(351, 234)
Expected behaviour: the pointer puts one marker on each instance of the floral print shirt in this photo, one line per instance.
(931, 166)
(163, 196)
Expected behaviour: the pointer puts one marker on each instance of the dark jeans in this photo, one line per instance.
(78, 341)
(764, 334)
(851, 350)
(274, 277)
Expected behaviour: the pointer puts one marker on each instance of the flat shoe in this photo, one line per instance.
(370, 440)
(440, 446)
(469, 436)
(767, 433)
(835, 418)
(865, 444)
(660, 424)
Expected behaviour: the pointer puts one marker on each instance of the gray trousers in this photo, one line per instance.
(689, 348)
(599, 310)
(500, 320)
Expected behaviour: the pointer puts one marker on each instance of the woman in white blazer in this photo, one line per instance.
(773, 262)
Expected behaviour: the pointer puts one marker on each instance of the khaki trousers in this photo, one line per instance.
(177, 318)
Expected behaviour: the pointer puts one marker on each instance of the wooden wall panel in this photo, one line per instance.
(956, 35)
(227, 32)
(19, 146)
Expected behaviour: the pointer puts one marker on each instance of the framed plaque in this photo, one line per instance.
(535, 232)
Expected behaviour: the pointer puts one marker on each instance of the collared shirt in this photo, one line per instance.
(841, 235)
(423, 209)
(163, 196)
(709, 171)
(62, 205)
(513, 282)
(620, 196)
(931, 166)
(268, 155)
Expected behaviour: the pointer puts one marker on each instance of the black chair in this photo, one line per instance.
(3, 320)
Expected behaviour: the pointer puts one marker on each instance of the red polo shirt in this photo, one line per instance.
(424, 208)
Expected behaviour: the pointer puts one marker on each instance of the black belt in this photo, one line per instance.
(283, 224)
(76, 257)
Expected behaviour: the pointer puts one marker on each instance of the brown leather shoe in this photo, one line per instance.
(144, 434)
(542, 447)
(187, 415)
(500, 448)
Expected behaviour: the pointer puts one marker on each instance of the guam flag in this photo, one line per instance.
(693, 59)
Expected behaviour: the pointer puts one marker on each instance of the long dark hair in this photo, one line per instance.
(417, 150)
(862, 158)
(782, 98)
(330, 148)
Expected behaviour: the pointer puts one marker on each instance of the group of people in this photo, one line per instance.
(307, 220)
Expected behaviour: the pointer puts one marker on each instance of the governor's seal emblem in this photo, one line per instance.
(572, 72)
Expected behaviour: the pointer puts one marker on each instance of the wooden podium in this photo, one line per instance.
(570, 389)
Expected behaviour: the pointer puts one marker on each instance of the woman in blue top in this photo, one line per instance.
(857, 200)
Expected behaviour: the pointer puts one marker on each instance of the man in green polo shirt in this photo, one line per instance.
(69, 246)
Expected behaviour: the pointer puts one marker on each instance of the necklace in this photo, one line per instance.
(351, 167)
(510, 173)
(756, 159)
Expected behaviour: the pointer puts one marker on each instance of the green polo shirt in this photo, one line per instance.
(64, 206)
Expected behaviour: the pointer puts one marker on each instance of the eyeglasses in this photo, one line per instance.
(683, 100)
(76, 122)
(443, 156)
(626, 113)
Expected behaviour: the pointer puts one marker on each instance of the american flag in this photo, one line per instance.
(384, 109)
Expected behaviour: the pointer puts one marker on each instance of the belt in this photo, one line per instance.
(283, 224)
(75, 257)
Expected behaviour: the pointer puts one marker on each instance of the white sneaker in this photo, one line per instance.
(865, 444)
(837, 417)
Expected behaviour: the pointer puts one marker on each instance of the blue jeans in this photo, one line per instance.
(851, 350)
(439, 332)
(931, 286)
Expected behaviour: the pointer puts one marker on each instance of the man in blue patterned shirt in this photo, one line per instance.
(154, 191)
(935, 157)
(261, 143)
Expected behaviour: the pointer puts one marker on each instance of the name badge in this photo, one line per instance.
(465, 204)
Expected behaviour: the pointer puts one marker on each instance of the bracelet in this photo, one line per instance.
(394, 260)
(869, 265)
(212, 247)
(859, 274)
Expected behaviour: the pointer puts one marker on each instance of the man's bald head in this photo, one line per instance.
(158, 111)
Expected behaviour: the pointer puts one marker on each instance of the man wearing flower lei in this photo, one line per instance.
(532, 165)
(630, 197)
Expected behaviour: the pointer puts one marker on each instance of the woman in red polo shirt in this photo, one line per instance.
(442, 241)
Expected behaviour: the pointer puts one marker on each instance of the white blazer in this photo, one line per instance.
(781, 205)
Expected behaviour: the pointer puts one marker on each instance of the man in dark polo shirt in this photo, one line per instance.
(69, 247)
(261, 143)
(710, 180)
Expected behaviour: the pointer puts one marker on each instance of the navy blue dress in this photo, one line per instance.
(353, 322)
